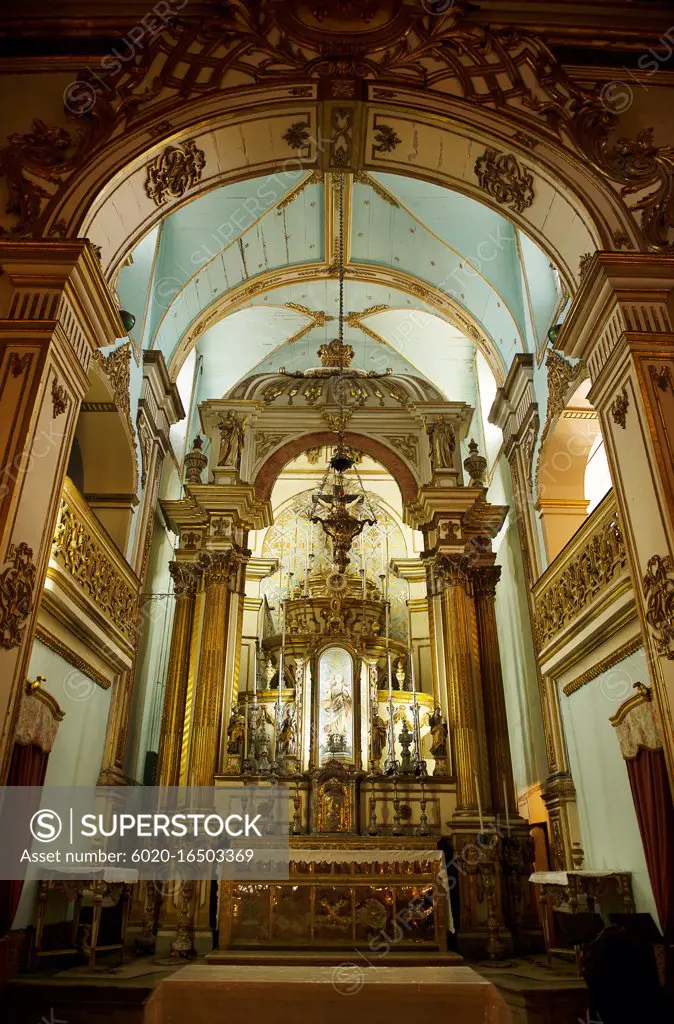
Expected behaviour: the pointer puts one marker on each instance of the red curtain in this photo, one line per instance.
(28, 767)
(655, 813)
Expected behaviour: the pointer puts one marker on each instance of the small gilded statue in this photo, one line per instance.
(235, 732)
(231, 440)
(288, 735)
(438, 734)
(442, 444)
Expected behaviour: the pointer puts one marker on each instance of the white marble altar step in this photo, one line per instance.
(329, 994)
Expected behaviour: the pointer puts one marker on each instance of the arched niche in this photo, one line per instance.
(102, 462)
(563, 499)
(336, 705)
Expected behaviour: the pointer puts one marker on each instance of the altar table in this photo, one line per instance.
(351, 990)
(341, 897)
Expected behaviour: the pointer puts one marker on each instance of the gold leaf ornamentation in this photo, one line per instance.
(658, 587)
(172, 173)
(78, 550)
(505, 180)
(619, 407)
(59, 398)
(17, 583)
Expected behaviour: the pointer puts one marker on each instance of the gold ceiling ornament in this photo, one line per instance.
(563, 379)
(317, 318)
(315, 178)
(619, 407)
(17, 583)
(363, 178)
(386, 138)
(505, 180)
(658, 589)
(174, 171)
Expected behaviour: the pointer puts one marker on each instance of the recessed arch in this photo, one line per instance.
(266, 476)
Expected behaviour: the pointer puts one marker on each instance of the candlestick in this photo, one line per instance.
(505, 802)
(479, 802)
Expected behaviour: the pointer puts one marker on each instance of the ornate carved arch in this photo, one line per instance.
(527, 129)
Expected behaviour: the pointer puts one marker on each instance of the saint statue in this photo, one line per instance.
(442, 444)
(438, 734)
(235, 731)
(231, 440)
(338, 705)
(288, 735)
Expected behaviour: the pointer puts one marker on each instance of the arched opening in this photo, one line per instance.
(102, 462)
(573, 473)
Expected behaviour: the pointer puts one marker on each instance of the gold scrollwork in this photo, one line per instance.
(17, 583)
(59, 398)
(502, 177)
(174, 171)
(658, 586)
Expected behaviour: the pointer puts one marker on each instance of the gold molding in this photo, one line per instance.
(620, 653)
(643, 695)
(58, 647)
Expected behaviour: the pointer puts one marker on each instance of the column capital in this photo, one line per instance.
(185, 576)
(219, 566)
(485, 579)
(453, 570)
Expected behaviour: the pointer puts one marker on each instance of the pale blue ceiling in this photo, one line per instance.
(236, 234)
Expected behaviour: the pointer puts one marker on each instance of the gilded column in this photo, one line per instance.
(466, 717)
(186, 578)
(218, 569)
(496, 722)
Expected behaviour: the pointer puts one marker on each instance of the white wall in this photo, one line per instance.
(520, 680)
(609, 831)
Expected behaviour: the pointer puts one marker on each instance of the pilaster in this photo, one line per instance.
(622, 325)
(55, 311)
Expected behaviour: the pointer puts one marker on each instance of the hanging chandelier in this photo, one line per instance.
(340, 505)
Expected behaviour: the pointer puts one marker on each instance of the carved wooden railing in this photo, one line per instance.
(594, 559)
(94, 566)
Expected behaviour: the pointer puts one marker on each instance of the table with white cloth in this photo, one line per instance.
(348, 894)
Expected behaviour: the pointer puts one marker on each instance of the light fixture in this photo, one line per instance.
(128, 320)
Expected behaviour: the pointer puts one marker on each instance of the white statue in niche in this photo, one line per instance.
(338, 706)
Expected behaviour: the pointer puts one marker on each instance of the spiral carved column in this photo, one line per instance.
(485, 579)
(218, 568)
(186, 578)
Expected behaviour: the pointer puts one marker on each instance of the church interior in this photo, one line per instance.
(336, 396)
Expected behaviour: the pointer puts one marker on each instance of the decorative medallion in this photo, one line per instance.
(59, 398)
(174, 171)
(17, 583)
(658, 586)
(297, 136)
(502, 177)
(386, 139)
(619, 407)
(335, 355)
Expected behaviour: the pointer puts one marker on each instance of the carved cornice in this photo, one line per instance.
(614, 658)
(257, 45)
(581, 573)
(51, 641)
(82, 548)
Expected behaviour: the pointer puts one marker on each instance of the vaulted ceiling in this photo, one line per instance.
(246, 276)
